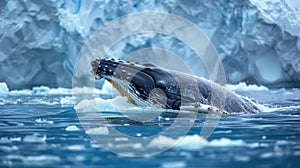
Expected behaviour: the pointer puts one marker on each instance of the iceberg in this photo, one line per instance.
(3, 89)
(255, 39)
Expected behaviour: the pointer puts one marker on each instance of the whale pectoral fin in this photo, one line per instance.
(202, 108)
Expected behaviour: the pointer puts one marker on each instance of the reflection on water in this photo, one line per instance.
(37, 130)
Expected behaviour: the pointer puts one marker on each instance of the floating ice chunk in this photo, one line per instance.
(87, 105)
(195, 142)
(72, 128)
(65, 101)
(34, 138)
(223, 142)
(191, 142)
(121, 139)
(40, 89)
(98, 104)
(175, 164)
(98, 131)
(43, 121)
(242, 158)
(163, 142)
(33, 160)
(8, 148)
(76, 147)
(3, 89)
(8, 139)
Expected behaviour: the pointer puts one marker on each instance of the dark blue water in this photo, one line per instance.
(42, 130)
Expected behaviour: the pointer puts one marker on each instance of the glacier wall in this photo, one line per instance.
(257, 40)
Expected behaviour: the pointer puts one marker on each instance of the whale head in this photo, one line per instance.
(143, 84)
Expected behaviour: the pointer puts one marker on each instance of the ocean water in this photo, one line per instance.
(40, 128)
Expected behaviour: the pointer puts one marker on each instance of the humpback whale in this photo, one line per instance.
(151, 85)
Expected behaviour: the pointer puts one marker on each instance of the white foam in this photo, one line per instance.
(288, 108)
(21, 92)
(42, 101)
(42, 90)
(243, 87)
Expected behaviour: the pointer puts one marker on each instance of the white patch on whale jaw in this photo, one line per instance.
(155, 99)
(202, 108)
(129, 91)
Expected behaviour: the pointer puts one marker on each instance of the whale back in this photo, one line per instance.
(197, 89)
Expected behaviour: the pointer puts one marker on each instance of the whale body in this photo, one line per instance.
(151, 85)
